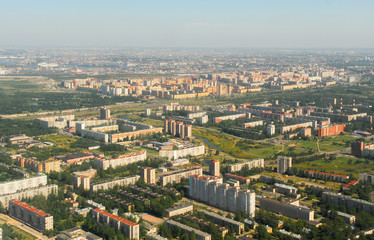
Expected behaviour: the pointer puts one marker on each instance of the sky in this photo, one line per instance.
(187, 24)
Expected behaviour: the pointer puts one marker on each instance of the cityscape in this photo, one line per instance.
(166, 124)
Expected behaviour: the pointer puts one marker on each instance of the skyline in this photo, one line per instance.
(167, 24)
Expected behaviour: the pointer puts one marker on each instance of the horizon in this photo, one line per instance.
(210, 24)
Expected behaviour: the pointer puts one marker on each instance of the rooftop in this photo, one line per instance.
(31, 208)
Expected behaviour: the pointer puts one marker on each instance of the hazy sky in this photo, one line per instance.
(188, 23)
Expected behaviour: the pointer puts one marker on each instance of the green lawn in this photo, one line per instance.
(237, 147)
(341, 165)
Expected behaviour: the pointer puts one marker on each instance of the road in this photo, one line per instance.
(23, 227)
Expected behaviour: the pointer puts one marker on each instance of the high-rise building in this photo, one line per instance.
(82, 181)
(284, 163)
(214, 168)
(104, 113)
(212, 191)
(271, 129)
(148, 175)
(187, 131)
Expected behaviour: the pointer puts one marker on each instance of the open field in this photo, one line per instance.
(341, 165)
(333, 143)
(235, 146)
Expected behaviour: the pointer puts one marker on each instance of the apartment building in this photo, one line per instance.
(326, 131)
(183, 152)
(254, 163)
(34, 217)
(366, 178)
(289, 210)
(121, 161)
(199, 234)
(36, 166)
(128, 228)
(19, 185)
(214, 169)
(130, 180)
(148, 175)
(348, 202)
(212, 191)
(327, 176)
(284, 163)
(176, 177)
(28, 193)
(238, 227)
(179, 209)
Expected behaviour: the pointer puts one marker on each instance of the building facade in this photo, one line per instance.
(148, 175)
(176, 177)
(121, 161)
(284, 163)
(254, 163)
(128, 228)
(30, 215)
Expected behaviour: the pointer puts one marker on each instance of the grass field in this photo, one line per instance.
(326, 145)
(341, 165)
(59, 140)
(235, 146)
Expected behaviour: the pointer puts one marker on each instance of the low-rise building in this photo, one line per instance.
(235, 167)
(179, 209)
(238, 227)
(242, 180)
(176, 177)
(128, 228)
(121, 161)
(130, 180)
(289, 210)
(199, 234)
(77, 234)
(366, 178)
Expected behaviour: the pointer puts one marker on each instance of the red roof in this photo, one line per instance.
(214, 160)
(351, 183)
(236, 176)
(125, 221)
(30, 208)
